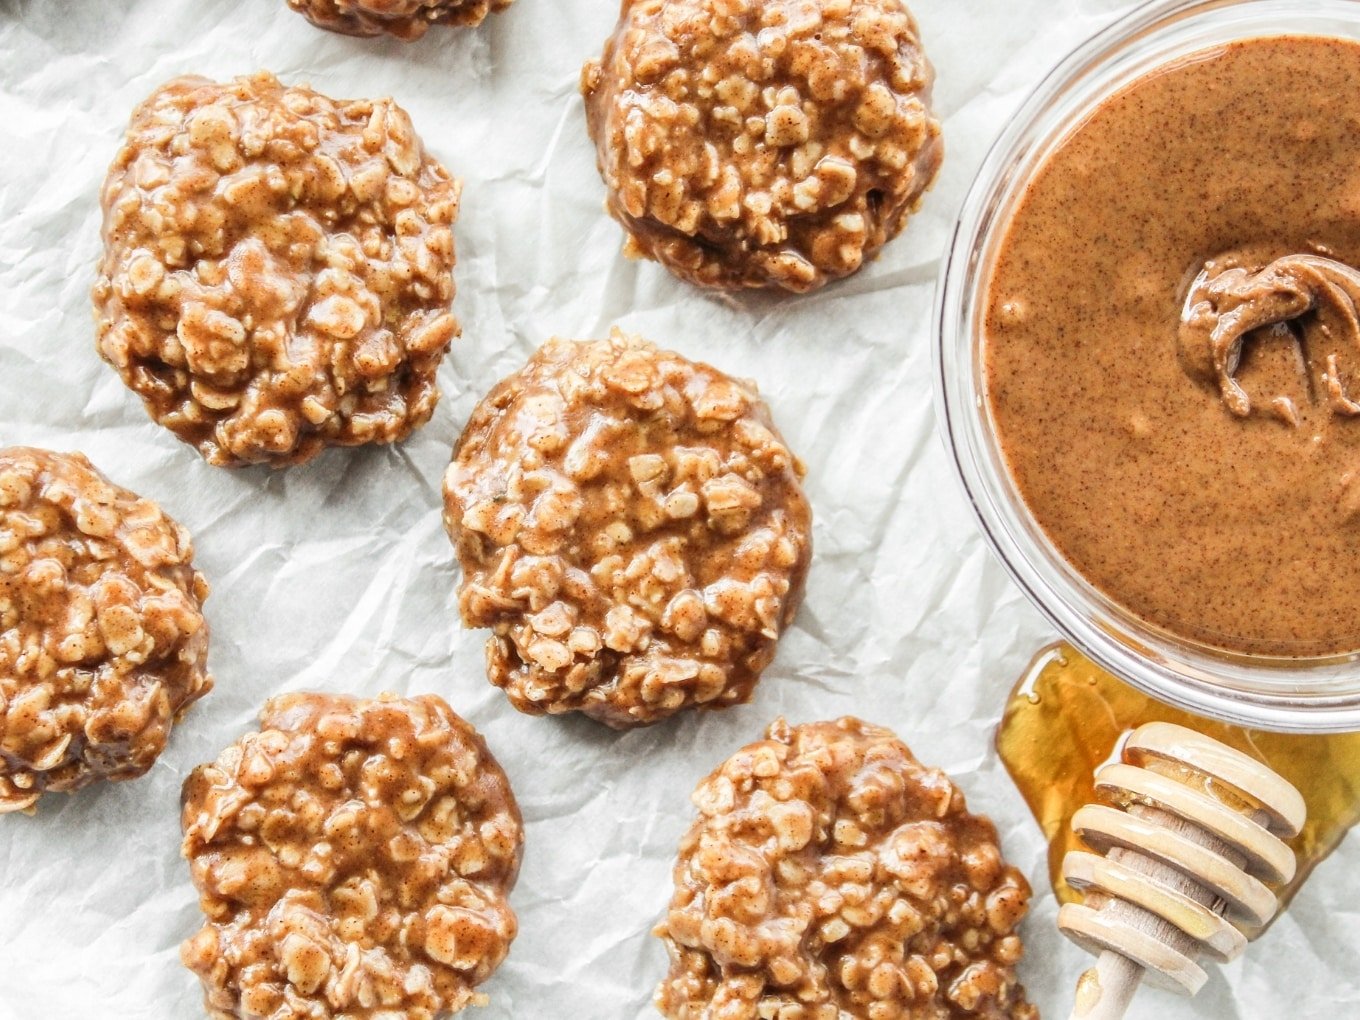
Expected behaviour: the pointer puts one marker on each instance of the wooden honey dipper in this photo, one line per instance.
(1194, 838)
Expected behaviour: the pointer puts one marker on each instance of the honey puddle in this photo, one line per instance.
(1066, 717)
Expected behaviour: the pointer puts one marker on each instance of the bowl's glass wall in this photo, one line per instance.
(1305, 695)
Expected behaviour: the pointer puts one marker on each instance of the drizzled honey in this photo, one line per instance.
(1067, 716)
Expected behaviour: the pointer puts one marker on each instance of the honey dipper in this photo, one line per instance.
(1189, 848)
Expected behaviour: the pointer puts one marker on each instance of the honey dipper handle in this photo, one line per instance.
(1105, 990)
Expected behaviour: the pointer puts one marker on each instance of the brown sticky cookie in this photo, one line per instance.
(405, 19)
(277, 269)
(103, 645)
(631, 527)
(829, 876)
(353, 859)
(763, 143)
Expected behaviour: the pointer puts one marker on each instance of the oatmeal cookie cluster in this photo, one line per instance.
(831, 876)
(763, 143)
(405, 19)
(103, 644)
(632, 529)
(278, 269)
(354, 859)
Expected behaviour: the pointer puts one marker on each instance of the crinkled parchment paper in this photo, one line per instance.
(338, 576)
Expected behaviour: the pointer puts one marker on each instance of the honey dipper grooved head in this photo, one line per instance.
(1191, 834)
(1169, 743)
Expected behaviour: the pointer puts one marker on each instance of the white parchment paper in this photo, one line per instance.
(338, 576)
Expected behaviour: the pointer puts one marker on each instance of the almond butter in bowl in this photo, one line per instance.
(405, 19)
(831, 876)
(277, 269)
(631, 528)
(354, 860)
(763, 143)
(103, 645)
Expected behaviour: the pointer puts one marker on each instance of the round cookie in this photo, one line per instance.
(277, 269)
(103, 645)
(830, 875)
(353, 859)
(405, 19)
(763, 143)
(632, 529)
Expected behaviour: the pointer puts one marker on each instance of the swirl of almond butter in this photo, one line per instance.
(1314, 297)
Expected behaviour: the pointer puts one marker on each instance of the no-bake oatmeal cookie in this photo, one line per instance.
(631, 527)
(763, 143)
(277, 269)
(830, 875)
(103, 645)
(405, 19)
(353, 860)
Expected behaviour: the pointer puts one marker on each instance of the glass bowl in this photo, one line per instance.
(1301, 695)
